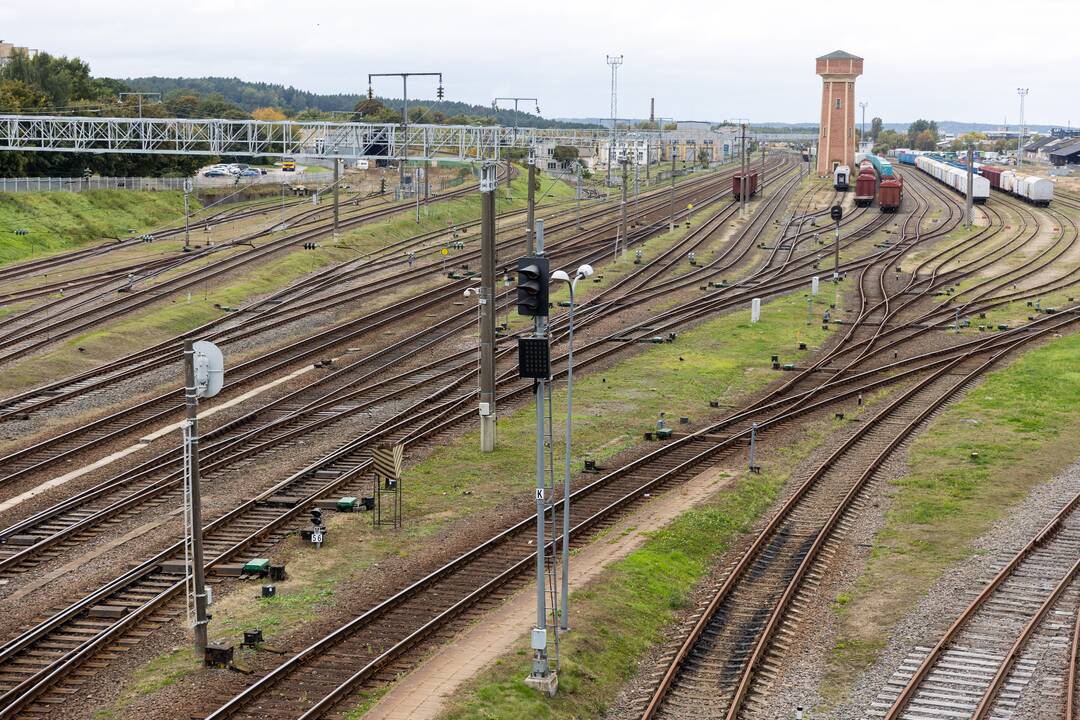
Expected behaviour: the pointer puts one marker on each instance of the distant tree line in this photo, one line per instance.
(54, 85)
(303, 105)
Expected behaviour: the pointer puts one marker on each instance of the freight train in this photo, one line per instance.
(751, 185)
(1037, 191)
(954, 177)
(878, 179)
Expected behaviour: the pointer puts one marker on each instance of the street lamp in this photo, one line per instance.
(582, 272)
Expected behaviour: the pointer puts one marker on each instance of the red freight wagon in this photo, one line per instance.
(993, 174)
(865, 187)
(890, 193)
(736, 185)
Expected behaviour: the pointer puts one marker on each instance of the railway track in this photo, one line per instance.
(978, 669)
(158, 409)
(322, 402)
(406, 432)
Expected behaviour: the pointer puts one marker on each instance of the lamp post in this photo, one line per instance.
(582, 272)
(1022, 92)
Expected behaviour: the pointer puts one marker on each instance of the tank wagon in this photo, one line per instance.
(752, 185)
(1037, 191)
(954, 178)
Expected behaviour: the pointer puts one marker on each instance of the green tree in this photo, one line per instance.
(703, 157)
(920, 126)
(876, 126)
(925, 140)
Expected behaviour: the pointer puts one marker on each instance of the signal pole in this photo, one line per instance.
(191, 402)
(862, 134)
(488, 185)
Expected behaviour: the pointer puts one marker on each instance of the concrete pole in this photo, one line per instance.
(530, 218)
(191, 402)
(487, 313)
(969, 208)
(337, 183)
(742, 170)
(187, 232)
(671, 221)
(625, 181)
(578, 172)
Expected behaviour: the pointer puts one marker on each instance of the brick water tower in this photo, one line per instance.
(836, 139)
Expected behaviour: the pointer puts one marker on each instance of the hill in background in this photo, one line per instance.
(291, 101)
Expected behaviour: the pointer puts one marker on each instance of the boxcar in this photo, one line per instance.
(736, 185)
(890, 193)
(866, 186)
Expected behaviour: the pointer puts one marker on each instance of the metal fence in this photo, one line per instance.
(78, 184)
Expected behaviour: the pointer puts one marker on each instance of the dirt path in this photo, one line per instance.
(420, 695)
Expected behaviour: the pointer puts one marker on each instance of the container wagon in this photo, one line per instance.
(752, 185)
(890, 193)
(841, 177)
(883, 166)
(954, 178)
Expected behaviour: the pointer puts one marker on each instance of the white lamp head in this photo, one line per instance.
(560, 275)
(584, 271)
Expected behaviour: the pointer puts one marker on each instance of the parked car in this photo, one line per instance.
(251, 172)
(214, 172)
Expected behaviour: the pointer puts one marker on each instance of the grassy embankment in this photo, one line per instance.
(177, 313)
(976, 460)
(60, 221)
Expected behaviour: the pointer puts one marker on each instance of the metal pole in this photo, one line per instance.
(416, 191)
(487, 310)
(337, 182)
(192, 404)
(531, 211)
(540, 667)
(564, 618)
(637, 182)
(282, 205)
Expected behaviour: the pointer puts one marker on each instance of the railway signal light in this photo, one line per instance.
(532, 288)
(439, 92)
(836, 212)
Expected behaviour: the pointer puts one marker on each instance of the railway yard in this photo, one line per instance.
(822, 459)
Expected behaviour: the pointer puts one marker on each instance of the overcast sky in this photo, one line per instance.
(700, 60)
